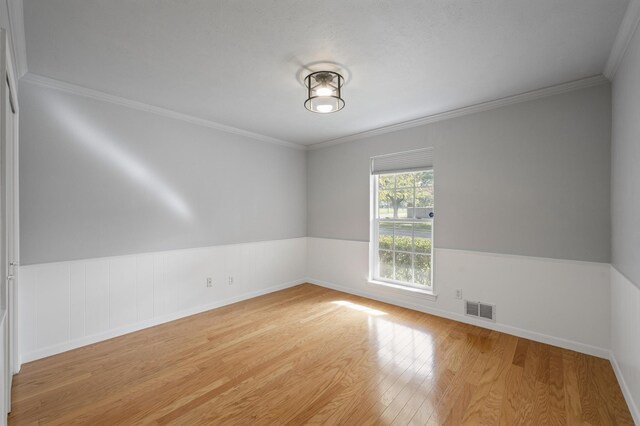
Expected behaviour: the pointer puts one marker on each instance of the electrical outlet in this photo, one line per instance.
(209, 282)
(230, 279)
(458, 293)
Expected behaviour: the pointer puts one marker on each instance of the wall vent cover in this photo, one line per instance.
(480, 310)
(473, 309)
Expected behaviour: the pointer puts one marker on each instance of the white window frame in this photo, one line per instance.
(374, 277)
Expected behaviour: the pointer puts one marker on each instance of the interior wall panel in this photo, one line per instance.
(99, 179)
(530, 179)
(625, 158)
(625, 210)
(559, 302)
(625, 338)
(64, 305)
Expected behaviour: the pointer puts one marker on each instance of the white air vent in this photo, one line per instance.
(480, 310)
(473, 308)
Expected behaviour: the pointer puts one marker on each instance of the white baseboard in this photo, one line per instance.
(504, 328)
(635, 412)
(88, 340)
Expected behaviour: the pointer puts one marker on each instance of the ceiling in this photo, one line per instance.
(238, 63)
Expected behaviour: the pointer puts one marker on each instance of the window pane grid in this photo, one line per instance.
(400, 251)
(403, 230)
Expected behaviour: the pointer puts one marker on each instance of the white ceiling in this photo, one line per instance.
(238, 62)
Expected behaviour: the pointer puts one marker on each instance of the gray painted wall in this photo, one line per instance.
(528, 179)
(98, 179)
(625, 155)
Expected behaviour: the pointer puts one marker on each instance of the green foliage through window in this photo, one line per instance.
(405, 201)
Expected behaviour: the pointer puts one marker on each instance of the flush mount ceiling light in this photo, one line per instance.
(324, 92)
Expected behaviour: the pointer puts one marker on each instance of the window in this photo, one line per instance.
(403, 228)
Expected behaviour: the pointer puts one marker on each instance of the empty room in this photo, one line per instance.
(356, 212)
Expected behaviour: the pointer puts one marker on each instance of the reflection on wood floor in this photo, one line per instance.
(313, 355)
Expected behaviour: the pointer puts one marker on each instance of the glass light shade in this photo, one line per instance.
(324, 92)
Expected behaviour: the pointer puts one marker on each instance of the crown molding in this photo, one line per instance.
(459, 112)
(485, 106)
(19, 43)
(101, 96)
(628, 28)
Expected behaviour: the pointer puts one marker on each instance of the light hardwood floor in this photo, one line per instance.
(313, 355)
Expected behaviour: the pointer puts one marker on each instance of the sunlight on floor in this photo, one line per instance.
(360, 308)
(400, 346)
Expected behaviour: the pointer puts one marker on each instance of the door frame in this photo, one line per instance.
(9, 205)
(14, 265)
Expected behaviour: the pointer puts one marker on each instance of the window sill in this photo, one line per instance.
(410, 291)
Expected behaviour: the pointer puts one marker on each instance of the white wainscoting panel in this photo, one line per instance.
(65, 305)
(559, 302)
(625, 338)
(4, 331)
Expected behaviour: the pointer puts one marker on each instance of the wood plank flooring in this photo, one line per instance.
(309, 355)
